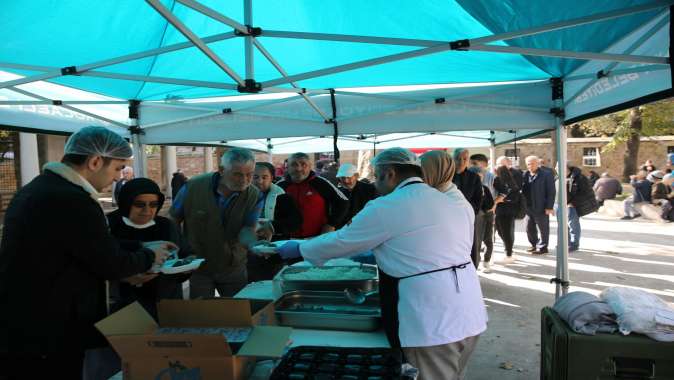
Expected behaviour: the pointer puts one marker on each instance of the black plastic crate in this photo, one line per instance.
(338, 363)
(567, 355)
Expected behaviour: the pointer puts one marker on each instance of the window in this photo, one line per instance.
(513, 155)
(591, 157)
(670, 149)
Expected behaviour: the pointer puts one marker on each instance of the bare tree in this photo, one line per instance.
(633, 131)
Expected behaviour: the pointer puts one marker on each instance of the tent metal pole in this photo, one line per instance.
(248, 40)
(198, 42)
(139, 156)
(52, 72)
(59, 102)
(20, 66)
(210, 12)
(83, 112)
(611, 66)
(463, 137)
(358, 65)
(351, 38)
(280, 69)
(571, 23)
(270, 152)
(664, 20)
(492, 152)
(572, 54)
(562, 285)
(476, 41)
(145, 78)
(612, 73)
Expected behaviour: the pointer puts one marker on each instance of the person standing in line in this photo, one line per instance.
(56, 255)
(580, 201)
(127, 175)
(358, 192)
(471, 187)
(219, 212)
(279, 218)
(322, 205)
(507, 205)
(539, 192)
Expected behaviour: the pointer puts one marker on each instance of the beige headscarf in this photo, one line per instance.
(438, 168)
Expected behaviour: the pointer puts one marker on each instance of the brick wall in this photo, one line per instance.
(612, 162)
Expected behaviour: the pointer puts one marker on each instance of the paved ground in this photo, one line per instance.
(633, 253)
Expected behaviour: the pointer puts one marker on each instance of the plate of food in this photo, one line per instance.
(187, 264)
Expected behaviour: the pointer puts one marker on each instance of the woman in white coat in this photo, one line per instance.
(430, 294)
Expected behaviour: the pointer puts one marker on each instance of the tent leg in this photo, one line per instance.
(30, 165)
(139, 158)
(170, 166)
(492, 155)
(562, 284)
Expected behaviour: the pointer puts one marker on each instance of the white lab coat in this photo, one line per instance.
(416, 229)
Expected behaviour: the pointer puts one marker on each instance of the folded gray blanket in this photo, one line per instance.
(586, 313)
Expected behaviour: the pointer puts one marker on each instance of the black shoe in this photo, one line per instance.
(626, 217)
(541, 251)
(573, 249)
(531, 249)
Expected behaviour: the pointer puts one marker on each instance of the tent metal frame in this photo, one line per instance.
(430, 47)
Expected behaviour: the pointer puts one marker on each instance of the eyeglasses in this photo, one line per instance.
(140, 204)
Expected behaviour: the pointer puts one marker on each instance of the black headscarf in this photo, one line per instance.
(134, 188)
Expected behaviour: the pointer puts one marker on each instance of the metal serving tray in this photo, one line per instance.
(327, 311)
(336, 284)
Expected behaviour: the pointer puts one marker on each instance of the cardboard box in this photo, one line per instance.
(147, 355)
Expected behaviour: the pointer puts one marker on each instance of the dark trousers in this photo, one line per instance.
(505, 226)
(535, 223)
(484, 233)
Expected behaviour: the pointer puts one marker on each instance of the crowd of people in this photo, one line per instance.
(652, 187)
(423, 221)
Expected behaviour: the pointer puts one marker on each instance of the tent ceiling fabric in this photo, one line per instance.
(495, 91)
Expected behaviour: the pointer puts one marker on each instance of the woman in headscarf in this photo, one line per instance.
(438, 168)
(134, 222)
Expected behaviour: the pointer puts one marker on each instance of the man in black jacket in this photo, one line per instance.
(358, 192)
(580, 201)
(469, 183)
(539, 190)
(55, 256)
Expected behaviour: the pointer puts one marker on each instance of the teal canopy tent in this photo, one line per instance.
(260, 72)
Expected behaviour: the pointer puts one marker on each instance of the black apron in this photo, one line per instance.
(388, 296)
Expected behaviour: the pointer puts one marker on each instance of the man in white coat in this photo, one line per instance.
(430, 294)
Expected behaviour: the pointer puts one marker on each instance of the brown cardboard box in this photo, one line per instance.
(147, 355)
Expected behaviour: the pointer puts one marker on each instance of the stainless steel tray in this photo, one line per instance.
(333, 284)
(327, 311)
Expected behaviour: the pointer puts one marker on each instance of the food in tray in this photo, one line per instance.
(329, 274)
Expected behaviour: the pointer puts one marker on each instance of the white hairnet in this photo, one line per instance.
(396, 156)
(346, 170)
(98, 141)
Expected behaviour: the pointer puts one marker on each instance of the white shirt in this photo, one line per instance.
(416, 229)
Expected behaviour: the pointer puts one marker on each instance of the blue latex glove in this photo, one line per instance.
(290, 250)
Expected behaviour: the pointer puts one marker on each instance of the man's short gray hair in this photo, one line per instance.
(299, 156)
(532, 158)
(503, 161)
(236, 156)
(457, 152)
